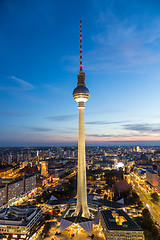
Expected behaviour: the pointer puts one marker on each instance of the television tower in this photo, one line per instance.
(81, 95)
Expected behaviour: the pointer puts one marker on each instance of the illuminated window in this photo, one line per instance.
(14, 235)
(23, 236)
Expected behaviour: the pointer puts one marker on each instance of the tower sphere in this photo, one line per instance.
(81, 94)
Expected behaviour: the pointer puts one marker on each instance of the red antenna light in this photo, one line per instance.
(81, 71)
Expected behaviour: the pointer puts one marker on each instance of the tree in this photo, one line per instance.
(134, 199)
(46, 228)
(105, 196)
(155, 197)
(39, 199)
(99, 191)
(65, 187)
(140, 205)
(148, 225)
(47, 216)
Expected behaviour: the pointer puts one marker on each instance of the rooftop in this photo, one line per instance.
(151, 171)
(19, 215)
(119, 220)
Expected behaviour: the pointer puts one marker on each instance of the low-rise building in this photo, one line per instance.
(117, 224)
(19, 222)
(152, 178)
(121, 189)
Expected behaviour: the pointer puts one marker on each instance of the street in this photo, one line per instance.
(146, 199)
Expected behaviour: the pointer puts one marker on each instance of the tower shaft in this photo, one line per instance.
(81, 180)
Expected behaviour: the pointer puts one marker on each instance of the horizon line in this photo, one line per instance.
(101, 144)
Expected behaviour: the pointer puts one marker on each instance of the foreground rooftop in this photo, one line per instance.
(119, 220)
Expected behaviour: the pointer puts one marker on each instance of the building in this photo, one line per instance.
(81, 95)
(16, 188)
(118, 225)
(2, 195)
(30, 183)
(58, 173)
(138, 149)
(121, 189)
(152, 178)
(104, 165)
(44, 168)
(126, 175)
(19, 222)
(5, 172)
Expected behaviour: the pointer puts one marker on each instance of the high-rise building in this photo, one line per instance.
(44, 168)
(81, 95)
(138, 149)
(17, 188)
(10, 159)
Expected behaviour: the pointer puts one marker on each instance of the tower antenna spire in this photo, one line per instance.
(81, 71)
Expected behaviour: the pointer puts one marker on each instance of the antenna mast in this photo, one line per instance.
(81, 71)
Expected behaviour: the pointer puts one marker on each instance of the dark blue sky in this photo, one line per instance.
(39, 61)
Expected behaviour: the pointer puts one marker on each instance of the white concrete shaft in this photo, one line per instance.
(81, 179)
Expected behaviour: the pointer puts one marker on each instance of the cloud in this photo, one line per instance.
(124, 44)
(24, 84)
(99, 135)
(17, 84)
(62, 117)
(105, 123)
(39, 129)
(143, 127)
(116, 136)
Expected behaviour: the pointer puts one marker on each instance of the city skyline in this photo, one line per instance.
(40, 59)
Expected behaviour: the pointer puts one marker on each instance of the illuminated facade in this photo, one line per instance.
(19, 222)
(17, 188)
(44, 168)
(81, 95)
(117, 224)
(2, 196)
(126, 175)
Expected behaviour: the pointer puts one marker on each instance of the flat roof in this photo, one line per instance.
(18, 215)
(151, 171)
(113, 218)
